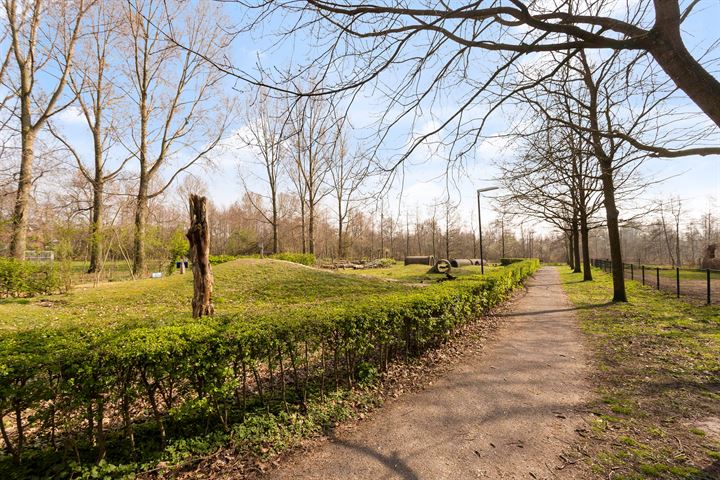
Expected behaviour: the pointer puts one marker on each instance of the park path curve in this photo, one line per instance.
(508, 412)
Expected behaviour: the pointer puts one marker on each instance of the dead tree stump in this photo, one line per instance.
(199, 238)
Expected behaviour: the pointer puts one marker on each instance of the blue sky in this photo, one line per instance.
(694, 179)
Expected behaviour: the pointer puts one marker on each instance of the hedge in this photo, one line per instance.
(509, 261)
(85, 395)
(301, 258)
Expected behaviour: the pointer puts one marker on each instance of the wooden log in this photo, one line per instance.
(199, 237)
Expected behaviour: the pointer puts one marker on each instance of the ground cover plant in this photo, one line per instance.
(115, 379)
(657, 370)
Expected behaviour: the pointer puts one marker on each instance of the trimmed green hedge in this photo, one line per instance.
(301, 258)
(218, 259)
(509, 261)
(85, 395)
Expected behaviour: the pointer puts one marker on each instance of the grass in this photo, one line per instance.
(244, 286)
(657, 368)
(669, 272)
(411, 274)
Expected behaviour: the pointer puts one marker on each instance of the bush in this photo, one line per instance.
(218, 259)
(509, 261)
(154, 384)
(301, 258)
(20, 278)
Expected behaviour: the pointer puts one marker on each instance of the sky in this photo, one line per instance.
(422, 180)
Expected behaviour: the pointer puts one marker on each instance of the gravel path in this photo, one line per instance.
(506, 413)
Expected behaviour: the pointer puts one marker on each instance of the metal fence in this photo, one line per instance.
(701, 285)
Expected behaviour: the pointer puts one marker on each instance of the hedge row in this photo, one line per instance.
(509, 261)
(20, 278)
(88, 395)
(301, 258)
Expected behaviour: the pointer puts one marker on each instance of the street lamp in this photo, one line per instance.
(482, 260)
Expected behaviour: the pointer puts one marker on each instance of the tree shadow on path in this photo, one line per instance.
(392, 462)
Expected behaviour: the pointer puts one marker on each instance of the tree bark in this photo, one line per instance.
(141, 210)
(96, 224)
(585, 237)
(668, 49)
(311, 226)
(199, 237)
(18, 243)
(569, 251)
(576, 245)
(613, 226)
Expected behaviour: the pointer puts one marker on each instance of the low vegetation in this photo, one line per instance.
(20, 278)
(113, 380)
(658, 364)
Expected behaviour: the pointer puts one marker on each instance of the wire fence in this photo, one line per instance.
(701, 285)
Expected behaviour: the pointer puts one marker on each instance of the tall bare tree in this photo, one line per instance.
(347, 174)
(43, 37)
(267, 132)
(314, 126)
(181, 114)
(92, 81)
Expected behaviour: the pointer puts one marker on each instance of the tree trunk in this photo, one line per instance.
(668, 49)
(576, 245)
(311, 226)
(96, 225)
(569, 250)
(613, 226)
(276, 248)
(18, 243)
(302, 225)
(199, 237)
(141, 210)
(585, 237)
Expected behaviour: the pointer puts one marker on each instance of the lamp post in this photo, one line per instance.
(482, 260)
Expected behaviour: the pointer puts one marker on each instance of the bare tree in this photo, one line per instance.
(267, 131)
(314, 127)
(91, 81)
(378, 37)
(181, 113)
(43, 37)
(347, 173)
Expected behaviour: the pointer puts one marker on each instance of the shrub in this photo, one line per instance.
(218, 259)
(148, 385)
(509, 261)
(301, 258)
(22, 278)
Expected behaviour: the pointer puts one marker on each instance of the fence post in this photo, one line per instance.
(657, 277)
(708, 285)
(677, 280)
(632, 273)
(642, 267)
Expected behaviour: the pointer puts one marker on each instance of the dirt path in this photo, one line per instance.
(507, 413)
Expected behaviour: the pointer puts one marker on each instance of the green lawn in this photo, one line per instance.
(245, 286)
(669, 272)
(414, 273)
(657, 367)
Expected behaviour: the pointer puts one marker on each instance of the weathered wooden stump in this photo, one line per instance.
(199, 238)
